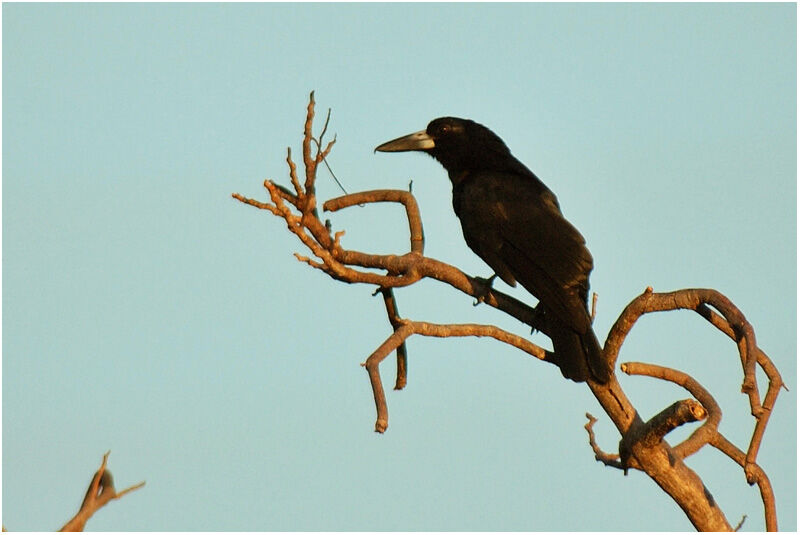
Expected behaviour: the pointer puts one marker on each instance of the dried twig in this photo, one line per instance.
(100, 492)
(608, 459)
(402, 354)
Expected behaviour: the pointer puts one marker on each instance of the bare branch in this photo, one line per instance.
(324, 154)
(394, 319)
(677, 414)
(100, 492)
(409, 328)
(756, 474)
(403, 270)
(293, 177)
(608, 459)
(385, 195)
(309, 162)
(730, 321)
(257, 204)
(324, 129)
(699, 437)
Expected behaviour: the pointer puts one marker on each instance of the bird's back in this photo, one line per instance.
(513, 222)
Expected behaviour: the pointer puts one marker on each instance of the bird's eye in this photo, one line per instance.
(444, 129)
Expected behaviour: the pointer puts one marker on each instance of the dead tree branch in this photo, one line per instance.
(683, 411)
(608, 459)
(101, 491)
(407, 328)
(642, 445)
(396, 323)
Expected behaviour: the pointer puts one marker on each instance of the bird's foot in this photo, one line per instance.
(486, 287)
(539, 318)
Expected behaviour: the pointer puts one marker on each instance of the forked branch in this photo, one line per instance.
(406, 328)
(101, 491)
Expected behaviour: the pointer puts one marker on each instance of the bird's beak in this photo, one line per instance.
(416, 141)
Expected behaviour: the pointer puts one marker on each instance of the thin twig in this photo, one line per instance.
(394, 319)
(608, 459)
(301, 194)
(325, 161)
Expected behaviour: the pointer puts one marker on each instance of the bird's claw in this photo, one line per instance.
(486, 285)
(539, 317)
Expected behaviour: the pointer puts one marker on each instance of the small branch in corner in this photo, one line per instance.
(101, 491)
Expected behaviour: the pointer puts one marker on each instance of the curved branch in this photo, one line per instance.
(408, 328)
(386, 195)
(732, 322)
(701, 436)
(608, 459)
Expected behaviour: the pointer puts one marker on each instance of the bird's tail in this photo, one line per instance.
(598, 366)
(579, 355)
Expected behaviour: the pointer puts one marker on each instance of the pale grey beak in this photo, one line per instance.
(416, 141)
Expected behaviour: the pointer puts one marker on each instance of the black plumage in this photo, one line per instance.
(514, 223)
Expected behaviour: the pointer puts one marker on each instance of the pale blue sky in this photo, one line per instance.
(146, 312)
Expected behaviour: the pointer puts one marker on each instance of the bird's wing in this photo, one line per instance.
(514, 223)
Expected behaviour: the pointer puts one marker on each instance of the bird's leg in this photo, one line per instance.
(486, 287)
(539, 317)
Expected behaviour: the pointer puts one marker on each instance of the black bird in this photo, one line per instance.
(514, 223)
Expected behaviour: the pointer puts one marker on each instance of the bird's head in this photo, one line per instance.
(458, 144)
